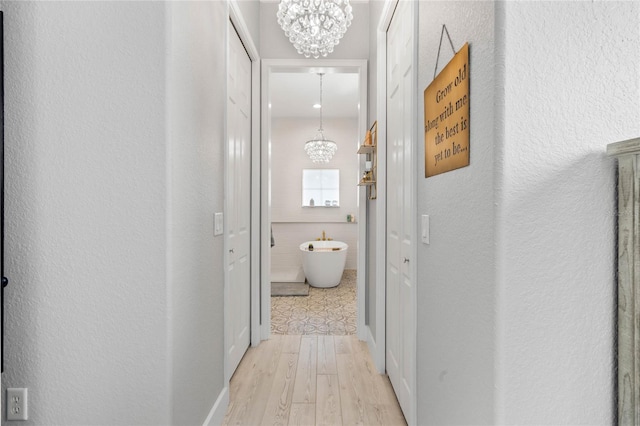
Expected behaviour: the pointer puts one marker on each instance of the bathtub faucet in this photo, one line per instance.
(324, 237)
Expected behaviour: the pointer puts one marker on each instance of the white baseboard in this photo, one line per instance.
(371, 342)
(219, 409)
(373, 351)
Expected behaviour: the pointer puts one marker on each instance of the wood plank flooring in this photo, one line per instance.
(311, 380)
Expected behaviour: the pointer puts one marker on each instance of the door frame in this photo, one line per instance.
(358, 66)
(237, 23)
(378, 348)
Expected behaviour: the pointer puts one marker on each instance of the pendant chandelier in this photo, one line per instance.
(314, 27)
(319, 149)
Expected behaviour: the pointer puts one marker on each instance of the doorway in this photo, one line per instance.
(290, 89)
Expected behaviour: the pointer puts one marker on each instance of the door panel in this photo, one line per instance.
(400, 171)
(238, 200)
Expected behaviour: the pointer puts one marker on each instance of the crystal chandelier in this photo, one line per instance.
(319, 149)
(314, 26)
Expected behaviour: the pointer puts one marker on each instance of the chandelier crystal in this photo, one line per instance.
(320, 149)
(314, 27)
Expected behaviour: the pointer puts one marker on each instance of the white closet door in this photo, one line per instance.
(238, 200)
(400, 340)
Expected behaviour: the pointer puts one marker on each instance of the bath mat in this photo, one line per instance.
(289, 289)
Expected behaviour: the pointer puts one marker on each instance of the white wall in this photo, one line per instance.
(516, 292)
(114, 165)
(571, 86)
(294, 224)
(86, 242)
(456, 279)
(275, 45)
(197, 82)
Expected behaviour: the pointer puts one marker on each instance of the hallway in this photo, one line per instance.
(311, 380)
(116, 215)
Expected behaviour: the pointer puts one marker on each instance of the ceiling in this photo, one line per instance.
(292, 94)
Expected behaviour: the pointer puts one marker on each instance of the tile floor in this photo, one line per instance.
(326, 311)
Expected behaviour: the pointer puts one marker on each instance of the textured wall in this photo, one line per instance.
(287, 161)
(196, 172)
(86, 311)
(570, 87)
(456, 285)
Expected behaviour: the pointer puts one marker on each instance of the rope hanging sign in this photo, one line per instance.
(446, 114)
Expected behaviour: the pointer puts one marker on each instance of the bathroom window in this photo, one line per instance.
(320, 187)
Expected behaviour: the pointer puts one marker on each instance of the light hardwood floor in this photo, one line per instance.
(311, 380)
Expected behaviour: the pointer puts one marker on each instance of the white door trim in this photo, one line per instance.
(269, 66)
(377, 347)
(236, 18)
(413, 416)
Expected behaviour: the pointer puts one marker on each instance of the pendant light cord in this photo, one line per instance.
(321, 105)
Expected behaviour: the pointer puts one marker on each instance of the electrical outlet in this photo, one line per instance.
(17, 408)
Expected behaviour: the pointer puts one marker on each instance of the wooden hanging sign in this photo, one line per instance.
(446, 117)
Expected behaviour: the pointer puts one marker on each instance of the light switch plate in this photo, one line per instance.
(218, 224)
(425, 228)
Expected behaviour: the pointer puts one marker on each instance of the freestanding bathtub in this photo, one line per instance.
(323, 266)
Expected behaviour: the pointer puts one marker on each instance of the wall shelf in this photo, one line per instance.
(366, 149)
(370, 149)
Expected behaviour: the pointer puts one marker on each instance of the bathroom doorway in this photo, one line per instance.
(298, 212)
